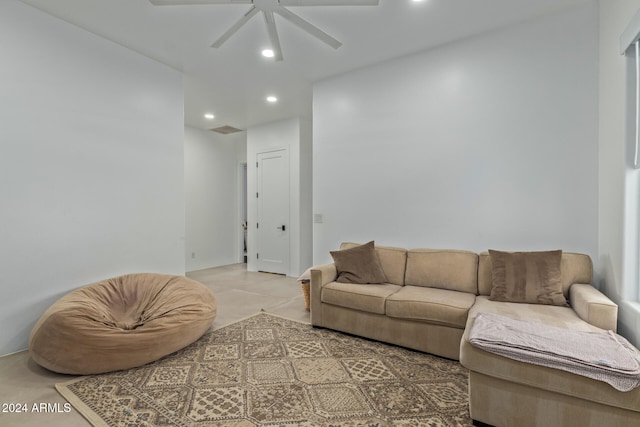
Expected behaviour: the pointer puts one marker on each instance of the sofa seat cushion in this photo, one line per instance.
(541, 377)
(433, 305)
(369, 298)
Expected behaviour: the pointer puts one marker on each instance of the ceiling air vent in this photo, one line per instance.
(226, 129)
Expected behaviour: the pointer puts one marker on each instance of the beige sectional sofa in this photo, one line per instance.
(429, 303)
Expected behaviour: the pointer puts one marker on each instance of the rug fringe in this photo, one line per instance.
(78, 404)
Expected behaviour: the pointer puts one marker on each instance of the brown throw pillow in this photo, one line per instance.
(527, 277)
(359, 265)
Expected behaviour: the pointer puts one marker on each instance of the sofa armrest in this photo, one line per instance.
(593, 306)
(320, 276)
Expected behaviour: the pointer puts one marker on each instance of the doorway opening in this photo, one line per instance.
(242, 212)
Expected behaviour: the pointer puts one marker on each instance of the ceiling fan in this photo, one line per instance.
(269, 9)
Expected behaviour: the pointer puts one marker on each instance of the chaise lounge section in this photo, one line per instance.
(429, 302)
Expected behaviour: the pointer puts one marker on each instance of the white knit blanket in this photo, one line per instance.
(603, 356)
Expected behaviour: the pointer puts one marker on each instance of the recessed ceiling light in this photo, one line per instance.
(268, 53)
(209, 116)
(272, 99)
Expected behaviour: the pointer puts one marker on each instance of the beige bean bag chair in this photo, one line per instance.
(121, 323)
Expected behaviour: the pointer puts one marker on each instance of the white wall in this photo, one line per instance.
(490, 142)
(212, 188)
(305, 248)
(294, 135)
(91, 165)
(618, 183)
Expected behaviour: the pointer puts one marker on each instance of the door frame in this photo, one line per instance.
(242, 206)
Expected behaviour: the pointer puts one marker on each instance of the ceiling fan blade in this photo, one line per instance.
(308, 27)
(235, 27)
(329, 2)
(190, 2)
(273, 35)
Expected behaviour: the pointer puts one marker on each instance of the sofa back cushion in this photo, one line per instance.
(393, 261)
(443, 269)
(574, 268)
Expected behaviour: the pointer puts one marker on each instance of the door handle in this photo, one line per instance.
(283, 227)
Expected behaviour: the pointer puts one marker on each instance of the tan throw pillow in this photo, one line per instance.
(527, 277)
(359, 264)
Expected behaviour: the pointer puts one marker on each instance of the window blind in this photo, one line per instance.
(630, 45)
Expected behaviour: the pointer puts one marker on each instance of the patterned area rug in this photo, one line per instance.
(271, 371)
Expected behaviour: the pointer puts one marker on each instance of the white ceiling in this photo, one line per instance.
(233, 81)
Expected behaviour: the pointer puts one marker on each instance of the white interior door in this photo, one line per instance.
(273, 211)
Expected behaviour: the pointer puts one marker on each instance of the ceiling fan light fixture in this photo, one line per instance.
(269, 8)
